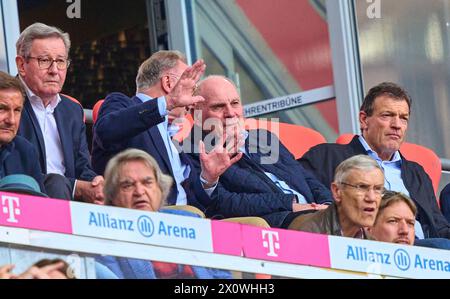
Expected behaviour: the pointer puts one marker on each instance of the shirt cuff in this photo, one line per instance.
(162, 106)
(209, 190)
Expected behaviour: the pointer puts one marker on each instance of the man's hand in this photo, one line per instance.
(5, 272)
(217, 161)
(90, 192)
(296, 207)
(182, 93)
(45, 272)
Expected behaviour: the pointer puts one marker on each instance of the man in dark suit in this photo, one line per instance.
(17, 155)
(384, 118)
(267, 181)
(51, 122)
(165, 84)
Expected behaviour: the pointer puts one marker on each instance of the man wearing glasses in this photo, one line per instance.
(357, 190)
(52, 122)
(384, 118)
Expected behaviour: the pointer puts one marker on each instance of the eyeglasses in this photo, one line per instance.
(363, 188)
(46, 63)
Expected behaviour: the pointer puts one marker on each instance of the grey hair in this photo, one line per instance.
(39, 31)
(152, 69)
(114, 165)
(198, 90)
(360, 162)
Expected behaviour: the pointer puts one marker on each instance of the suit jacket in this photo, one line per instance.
(124, 123)
(20, 157)
(323, 159)
(322, 222)
(129, 268)
(72, 132)
(245, 190)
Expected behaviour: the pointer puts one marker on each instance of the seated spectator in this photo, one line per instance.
(395, 219)
(357, 189)
(43, 269)
(267, 181)
(17, 155)
(51, 121)
(384, 119)
(134, 180)
(444, 201)
(165, 86)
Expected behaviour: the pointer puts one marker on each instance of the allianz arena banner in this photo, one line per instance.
(364, 256)
(141, 227)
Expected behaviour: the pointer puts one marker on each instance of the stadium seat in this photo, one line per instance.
(186, 208)
(76, 101)
(96, 109)
(414, 152)
(297, 139)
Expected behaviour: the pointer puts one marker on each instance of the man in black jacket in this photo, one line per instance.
(384, 117)
(267, 181)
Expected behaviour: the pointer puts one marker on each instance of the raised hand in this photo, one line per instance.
(182, 94)
(217, 161)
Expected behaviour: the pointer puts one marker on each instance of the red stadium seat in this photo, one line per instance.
(297, 139)
(96, 109)
(76, 101)
(414, 152)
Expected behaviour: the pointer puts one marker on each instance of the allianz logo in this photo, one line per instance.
(401, 259)
(143, 224)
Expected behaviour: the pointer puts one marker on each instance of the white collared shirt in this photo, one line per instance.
(47, 123)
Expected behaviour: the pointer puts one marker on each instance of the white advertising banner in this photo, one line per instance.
(388, 259)
(141, 227)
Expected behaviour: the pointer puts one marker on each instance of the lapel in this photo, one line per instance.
(157, 141)
(356, 146)
(38, 133)
(62, 114)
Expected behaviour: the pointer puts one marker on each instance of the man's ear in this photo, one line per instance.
(337, 192)
(20, 63)
(363, 120)
(166, 84)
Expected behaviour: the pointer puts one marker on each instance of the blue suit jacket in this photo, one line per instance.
(129, 268)
(245, 190)
(20, 157)
(72, 131)
(124, 123)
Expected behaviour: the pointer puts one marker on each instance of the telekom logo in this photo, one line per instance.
(11, 207)
(271, 241)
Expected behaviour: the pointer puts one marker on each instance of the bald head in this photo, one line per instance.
(222, 100)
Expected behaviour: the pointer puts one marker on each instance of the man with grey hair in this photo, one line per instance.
(52, 122)
(357, 190)
(130, 172)
(134, 180)
(165, 84)
(267, 181)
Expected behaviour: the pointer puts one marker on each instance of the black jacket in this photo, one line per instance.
(323, 159)
(245, 190)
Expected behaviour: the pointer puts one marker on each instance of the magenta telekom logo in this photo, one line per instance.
(10, 207)
(271, 241)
